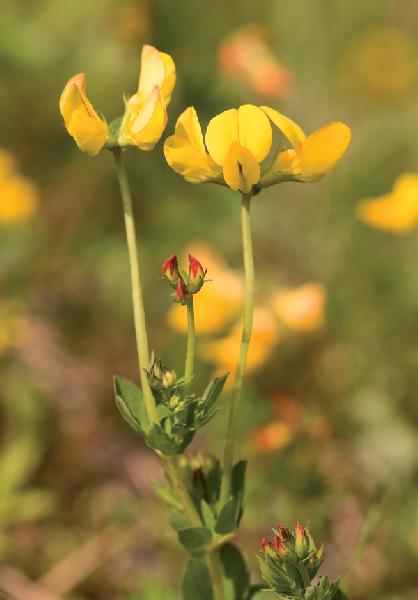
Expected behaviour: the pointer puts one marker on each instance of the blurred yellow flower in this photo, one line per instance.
(239, 140)
(246, 54)
(220, 300)
(301, 308)
(146, 116)
(11, 322)
(223, 352)
(397, 211)
(18, 195)
(81, 120)
(381, 64)
(271, 437)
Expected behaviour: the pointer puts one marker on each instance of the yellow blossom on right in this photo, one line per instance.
(397, 211)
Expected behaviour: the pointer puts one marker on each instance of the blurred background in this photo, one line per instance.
(330, 412)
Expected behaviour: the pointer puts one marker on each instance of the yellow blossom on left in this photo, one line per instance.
(18, 195)
(397, 211)
(81, 120)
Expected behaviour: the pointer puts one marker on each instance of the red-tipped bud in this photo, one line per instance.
(283, 532)
(181, 292)
(301, 543)
(280, 546)
(196, 275)
(170, 271)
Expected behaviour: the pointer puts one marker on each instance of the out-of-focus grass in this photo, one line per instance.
(345, 395)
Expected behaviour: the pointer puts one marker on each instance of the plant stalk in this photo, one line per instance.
(190, 350)
(137, 299)
(232, 428)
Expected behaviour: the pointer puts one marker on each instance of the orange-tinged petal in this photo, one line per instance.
(185, 151)
(301, 308)
(254, 131)
(289, 128)
(222, 131)
(322, 150)
(152, 71)
(241, 170)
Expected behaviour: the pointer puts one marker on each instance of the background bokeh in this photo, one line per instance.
(330, 412)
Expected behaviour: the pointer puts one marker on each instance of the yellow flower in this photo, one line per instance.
(81, 120)
(397, 211)
(11, 322)
(218, 303)
(223, 352)
(311, 157)
(146, 115)
(301, 308)
(18, 195)
(239, 140)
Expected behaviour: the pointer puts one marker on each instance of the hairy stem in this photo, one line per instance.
(215, 571)
(137, 299)
(190, 351)
(232, 429)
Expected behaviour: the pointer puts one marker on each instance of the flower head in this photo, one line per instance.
(238, 142)
(145, 115)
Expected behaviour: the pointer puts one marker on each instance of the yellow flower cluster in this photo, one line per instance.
(218, 307)
(397, 211)
(18, 195)
(239, 149)
(145, 116)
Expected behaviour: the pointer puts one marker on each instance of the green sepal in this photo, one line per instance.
(195, 540)
(114, 127)
(130, 403)
(196, 581)
(213, 390)
(236, 574)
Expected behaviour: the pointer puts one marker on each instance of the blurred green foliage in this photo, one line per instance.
(69, 467)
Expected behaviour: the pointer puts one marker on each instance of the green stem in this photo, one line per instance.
(137, 300)
(232, 429)
(215, 571)
(190, 350)
(183, 495)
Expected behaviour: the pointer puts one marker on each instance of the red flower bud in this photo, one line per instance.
(283, 532)
(280, 546)
(170, 270)
(301, 542)
(196, 275)
(181, 292)
(265, 543)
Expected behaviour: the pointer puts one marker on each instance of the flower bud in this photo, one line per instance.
(170, 271)
(181, 293)
(196, 275)
(169, 378)
(301, 540)
(280, 546)
(283, 532)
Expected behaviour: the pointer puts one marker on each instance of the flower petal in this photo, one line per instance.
(221, 132)
(80, 81)
(169, 77)
(323, 149)
(241, 170)
(254, 131)
(145, 129)
(152, 71)
(185, 151)
(289, 128)
(82, 122)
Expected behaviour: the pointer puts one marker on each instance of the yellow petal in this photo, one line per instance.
(152, 71)
(80, 81)
(301, 308)
(323, 149)
(82, 122)
(169, 77)
(289, 128)
(145, 129)
(221, 132)
(241, 170)
(185, 151)
(286, 163)
(254, 131)
(19, 200)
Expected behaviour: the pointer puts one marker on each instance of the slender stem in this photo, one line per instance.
(137, 300)
(232, 429)
(190, 351)
(183, 495)
(215, 571)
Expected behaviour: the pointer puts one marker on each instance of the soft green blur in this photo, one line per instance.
(78, 515)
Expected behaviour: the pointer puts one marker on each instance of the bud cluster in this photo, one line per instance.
(184, 284)
(290, 562)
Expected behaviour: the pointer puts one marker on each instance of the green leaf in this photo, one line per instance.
(339, 595)
(227, 518)
(195, 539)
(238, 486)
(130, 404)
(159, 440)
(196, 581)
(235, 573)
(213, 390)
(207, 514)
(255, 589)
